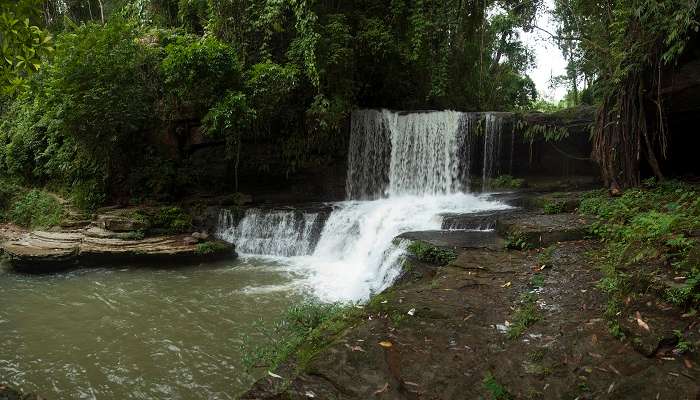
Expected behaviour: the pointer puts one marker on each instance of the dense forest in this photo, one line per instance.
(99, 96)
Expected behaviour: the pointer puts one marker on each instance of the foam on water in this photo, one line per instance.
(356, 255)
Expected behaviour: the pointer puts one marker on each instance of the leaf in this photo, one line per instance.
(641, 322)
(386, 344)
(272, 374)
(382, 389)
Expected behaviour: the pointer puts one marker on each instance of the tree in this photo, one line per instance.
(23, 44)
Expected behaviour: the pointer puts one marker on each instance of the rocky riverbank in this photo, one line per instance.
(112, 236)
(514, 314)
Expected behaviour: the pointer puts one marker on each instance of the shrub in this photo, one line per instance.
(36, 209)
(507, 182)
(210, 248)
(431, 254)
(172, 219)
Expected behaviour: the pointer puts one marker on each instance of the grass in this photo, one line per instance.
(431, 254)
(302, 332)
(525, 315)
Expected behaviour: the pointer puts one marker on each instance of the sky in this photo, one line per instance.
(548, 58)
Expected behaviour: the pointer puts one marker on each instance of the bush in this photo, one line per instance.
(36, 209)
(172, 220)
(210, 248)
(507, 182)
(431, 254)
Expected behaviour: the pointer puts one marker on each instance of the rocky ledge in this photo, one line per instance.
(105, 240)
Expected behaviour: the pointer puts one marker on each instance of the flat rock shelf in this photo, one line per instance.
(40, 250)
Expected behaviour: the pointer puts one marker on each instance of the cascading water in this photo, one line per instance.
(492, 148)
(404, 171)
(271, 232)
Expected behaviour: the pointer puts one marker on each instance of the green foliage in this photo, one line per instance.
(210, 248)
(649, 226)
(36, 209)
(525, 315)
(684, 345)
(517, 241)
(197, 72)
(495, 389)
(553, 206)
(431, 254)
(507, 182)
(23, 44)
(172, 219)
(546, 256)
(303, 331)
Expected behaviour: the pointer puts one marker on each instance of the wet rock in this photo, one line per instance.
(120, 223)
(456, 239)
(538, 230)
(42, 251)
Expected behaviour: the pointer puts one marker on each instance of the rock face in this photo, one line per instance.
(41, 251)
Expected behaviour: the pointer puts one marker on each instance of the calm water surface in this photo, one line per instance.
(138, 333)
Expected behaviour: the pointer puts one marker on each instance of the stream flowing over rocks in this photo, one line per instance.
(404, 171)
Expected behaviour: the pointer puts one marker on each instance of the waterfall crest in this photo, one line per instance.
(271, 232)
(393, 154)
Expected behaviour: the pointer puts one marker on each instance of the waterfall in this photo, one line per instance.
(393, 154)
(405, 170)
(271, 232)
(492, 148)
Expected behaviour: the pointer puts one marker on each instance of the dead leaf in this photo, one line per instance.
(641, 322)
(385, 343)
(383, 389)
(611, 387)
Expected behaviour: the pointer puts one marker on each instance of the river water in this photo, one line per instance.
(139, 333)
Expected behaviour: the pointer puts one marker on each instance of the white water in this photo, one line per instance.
(355, 256)
(273, 232)
(404, 170)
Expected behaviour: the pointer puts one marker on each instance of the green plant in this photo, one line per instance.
(210, 248)
(525, 315)
(301, 333)
(431, 254)
(683, 345)
(507, 182)
(171, 220)
(546, 256)
(36, 209)
(495, 389)
(517, 241)
(553, 207)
